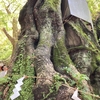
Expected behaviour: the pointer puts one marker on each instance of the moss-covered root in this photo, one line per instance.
(62, 60)
(66, 61)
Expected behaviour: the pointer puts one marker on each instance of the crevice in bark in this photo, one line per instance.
(92, 80)
(95, 82)
(51, 55)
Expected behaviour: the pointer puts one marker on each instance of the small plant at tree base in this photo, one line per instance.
(58, 81)
(81, 78)
(67, 69)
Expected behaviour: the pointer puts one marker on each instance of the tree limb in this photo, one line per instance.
(9, 37)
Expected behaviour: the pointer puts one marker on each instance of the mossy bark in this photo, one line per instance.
(53, 54)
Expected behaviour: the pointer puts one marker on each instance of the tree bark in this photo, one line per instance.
(54, 56)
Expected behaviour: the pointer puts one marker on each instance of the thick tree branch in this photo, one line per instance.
(8, 36)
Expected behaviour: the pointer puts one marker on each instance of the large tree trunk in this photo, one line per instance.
(54, 56)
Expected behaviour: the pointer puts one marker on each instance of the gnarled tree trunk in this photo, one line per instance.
(54, 56)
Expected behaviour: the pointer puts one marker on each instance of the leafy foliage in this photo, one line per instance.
(9, 10)
(23, 66)
(5, 47)
(94, 6)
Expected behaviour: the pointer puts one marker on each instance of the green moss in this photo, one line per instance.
(60, 54)
(46, 34)
(97, 56)
(89, 44)
(52, 4)
(93, 63)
